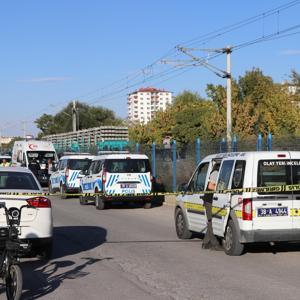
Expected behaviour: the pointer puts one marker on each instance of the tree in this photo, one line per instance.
(89, 116)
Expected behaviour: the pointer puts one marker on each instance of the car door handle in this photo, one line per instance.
(215, 198)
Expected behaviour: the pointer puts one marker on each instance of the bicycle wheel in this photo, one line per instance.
(14, 283)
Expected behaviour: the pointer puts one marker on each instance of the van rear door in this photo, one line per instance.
(127, 176)
(272, 210)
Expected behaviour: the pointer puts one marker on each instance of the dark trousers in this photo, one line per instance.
(209, 238)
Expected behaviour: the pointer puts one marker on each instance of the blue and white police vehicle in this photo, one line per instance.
(118, 178)
(70, 170)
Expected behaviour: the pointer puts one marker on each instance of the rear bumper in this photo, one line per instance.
(72, 190)
(283, 235)
(133, 198)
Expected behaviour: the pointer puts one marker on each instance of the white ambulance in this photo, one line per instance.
(119, 178)
(70, 169)
(24, 152)
(249, 214)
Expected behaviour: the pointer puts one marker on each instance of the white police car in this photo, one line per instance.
(249, 214)
(66, 178)
(118, 177)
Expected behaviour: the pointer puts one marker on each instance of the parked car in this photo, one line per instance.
(248, 214)
(66, 178)
(118, 178)
(36, 224)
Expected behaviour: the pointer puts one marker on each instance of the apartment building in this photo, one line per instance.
(145, 102)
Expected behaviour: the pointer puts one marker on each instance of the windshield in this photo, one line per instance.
(278, 172)
(41, 156)
(127, 165)
(79, 164)
(17, 181)
(8, 159)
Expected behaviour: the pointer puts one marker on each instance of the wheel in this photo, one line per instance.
(100, 204)
(63, 192)
(51, 190)
(147, 205)
(231, 244)
(181, 225)
(82, 199)
(14, 283)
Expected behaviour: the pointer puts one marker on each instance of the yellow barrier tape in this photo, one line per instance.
(266, 189)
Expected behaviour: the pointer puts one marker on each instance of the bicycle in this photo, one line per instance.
(11, 249)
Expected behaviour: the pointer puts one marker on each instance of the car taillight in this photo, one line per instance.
(247, 209)
(39, 202)
(104, 176)
(67, 173)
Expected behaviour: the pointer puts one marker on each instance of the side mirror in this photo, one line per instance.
(183, 187)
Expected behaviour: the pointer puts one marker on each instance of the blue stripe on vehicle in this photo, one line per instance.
(107, 185)
(148, 183)
(144, 180)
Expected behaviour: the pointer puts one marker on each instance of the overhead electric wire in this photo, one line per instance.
(123, 83)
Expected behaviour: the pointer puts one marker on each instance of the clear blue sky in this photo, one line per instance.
(55, 51)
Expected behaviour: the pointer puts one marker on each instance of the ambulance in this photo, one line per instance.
(70, 169)
(257, 199)
(41, 151)
(118, 178)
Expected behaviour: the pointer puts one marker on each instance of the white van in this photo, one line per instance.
(118, 177)
(248, 215)
(24, 152)
(70, 169)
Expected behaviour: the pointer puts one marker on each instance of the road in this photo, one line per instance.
(133, 253)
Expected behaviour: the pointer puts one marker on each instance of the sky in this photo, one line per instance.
(53, 52)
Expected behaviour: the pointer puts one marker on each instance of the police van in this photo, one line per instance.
(260, 206)
(118, 178)
(69, 171)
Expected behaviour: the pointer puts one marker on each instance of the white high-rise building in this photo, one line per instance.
(145, 102)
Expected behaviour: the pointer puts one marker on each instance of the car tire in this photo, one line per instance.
(82, 200)
(181, 225)
(63, 192)
(51, 190)
(99, 203)
(231, 243)
(147, 205)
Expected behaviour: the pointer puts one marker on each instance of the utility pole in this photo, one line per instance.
(74, 116)
(24, 129)
(228, 109)
(196, 61)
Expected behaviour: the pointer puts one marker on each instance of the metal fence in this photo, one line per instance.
(174, 165)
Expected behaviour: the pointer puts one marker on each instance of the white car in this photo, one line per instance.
(36, 225)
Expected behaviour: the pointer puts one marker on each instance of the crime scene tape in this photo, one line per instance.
(265, 189)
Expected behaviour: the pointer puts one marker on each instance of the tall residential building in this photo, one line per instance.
(145, 102)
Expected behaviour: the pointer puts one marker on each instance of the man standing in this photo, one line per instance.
(210, 241)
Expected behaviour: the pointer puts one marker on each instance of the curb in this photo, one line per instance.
(170, 200)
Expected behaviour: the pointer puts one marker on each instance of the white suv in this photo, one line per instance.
(36, 224)
(248, 215)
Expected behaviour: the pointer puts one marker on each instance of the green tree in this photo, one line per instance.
(89, 116)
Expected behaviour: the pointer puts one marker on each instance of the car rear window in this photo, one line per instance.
(79, 164)
(17, 181)
(127, 165)
(278, 172)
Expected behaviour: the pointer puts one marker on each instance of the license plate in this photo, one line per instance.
(272, 212)
(128, 185)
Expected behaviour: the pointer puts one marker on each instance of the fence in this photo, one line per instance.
(175, 164)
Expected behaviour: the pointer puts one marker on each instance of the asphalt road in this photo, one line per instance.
(133, 253)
